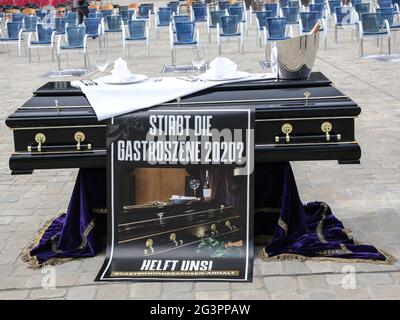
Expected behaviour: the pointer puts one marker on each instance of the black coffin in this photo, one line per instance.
(295, 121)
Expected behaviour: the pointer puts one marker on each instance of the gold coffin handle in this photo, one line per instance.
(79, 137)
(172, 237)
(40, 138)
(214, 230)
(149, 246)
(286, 129)
(229, 225)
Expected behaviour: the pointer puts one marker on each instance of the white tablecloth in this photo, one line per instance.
(109, 100)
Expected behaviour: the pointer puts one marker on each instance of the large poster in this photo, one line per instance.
(180, 195)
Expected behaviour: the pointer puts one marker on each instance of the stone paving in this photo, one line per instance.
(365, 197)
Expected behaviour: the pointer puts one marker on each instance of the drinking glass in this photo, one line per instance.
(198, 59)
(102, 61)
(194, 184)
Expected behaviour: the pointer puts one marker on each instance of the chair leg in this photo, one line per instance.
(29, 55)
(389, 46)
(52, 54)
(38, 53)
(148, 50)
(209, 37)
(58, 62)
(361, 47)
(219, 49)
(336, 34)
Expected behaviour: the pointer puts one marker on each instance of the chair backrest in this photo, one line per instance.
(273, 7)
(200, 12)
(40, 13)
(333, 4)
(185, 31)
(362, 8)
(95, 15)
(262, 17)
(181, 18)
(293, 3)
(75, 35)
(283, 3)
(164, 16)
(72, 18)
(276, 28)
(59, 24)
(92, 10)
(319, 1)
(92, 26)
(236, 4)
(17, 17)
(215, 15)
(174, 6)
(236, 11)
(114, 23)
(30, 23)
(308, 20)
(144, 10)
(44, 32)
(385, 3)
(319, 7)
(13, 29)
(370, 22)
(222, 5)
(291, 14)
(126, 15)
(137, 29)
(354, 2)
(106, 12)
(385, 14)
(343, 15)
(229, 24)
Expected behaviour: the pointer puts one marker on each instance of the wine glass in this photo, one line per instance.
(102, 61)
(198, 58)
(194, 184)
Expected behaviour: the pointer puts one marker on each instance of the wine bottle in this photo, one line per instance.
(207, 188)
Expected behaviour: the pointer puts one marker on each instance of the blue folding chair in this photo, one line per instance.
(388, 15)
(14, 33)
(17, 17)
(163, 19)
(223, 5)
(199, 13)
(72, 19)
(261, 19)
(275, 30)
(370, 26)
(174, 7)
(127, 15)
(137, 32)
(59, 25)
(362, 8)
(145, 12)
(185, 35)
(92, 10)
(345, 17)
(291, 14)
(95, 15)
(30, 23)
(230, 27)
(241, 13)
(43, 37)
(213, 20)
(384, 4)
(319, 7)
(74, 40)
(307, 22)
(273, 7)
(106, 13)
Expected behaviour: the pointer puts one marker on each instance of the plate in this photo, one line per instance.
(135, 78)
(234, 76)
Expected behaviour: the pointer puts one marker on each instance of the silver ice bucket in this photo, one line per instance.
(294, 58)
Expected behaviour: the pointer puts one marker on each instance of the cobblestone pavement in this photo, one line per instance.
(365, 197)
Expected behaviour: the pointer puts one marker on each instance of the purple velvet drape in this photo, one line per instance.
(78, 232)
(298, 230)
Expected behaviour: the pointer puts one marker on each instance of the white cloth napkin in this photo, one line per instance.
(108, 100)
(121, 71)
(221, 68)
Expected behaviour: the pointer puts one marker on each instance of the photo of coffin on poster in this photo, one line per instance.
(182, 210)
